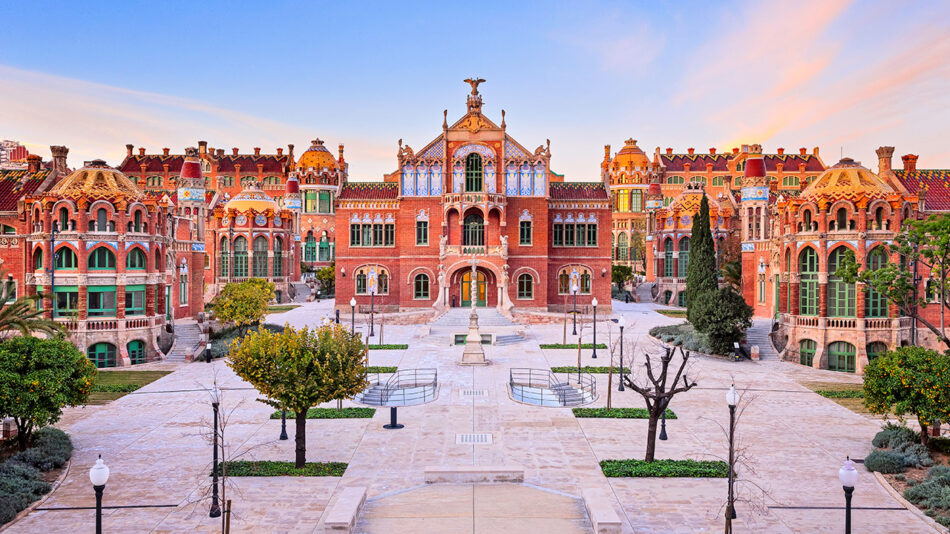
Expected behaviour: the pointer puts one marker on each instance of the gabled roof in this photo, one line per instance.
(15, 184)
(577, 191)
(369, 191)
(155, 163)
(937, 183)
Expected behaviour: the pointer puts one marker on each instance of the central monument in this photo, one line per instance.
(474, 353)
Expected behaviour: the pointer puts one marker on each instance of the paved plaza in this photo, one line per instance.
(155, 442)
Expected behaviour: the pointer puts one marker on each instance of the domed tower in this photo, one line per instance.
(627, 176)
(319, 176)
(755, 220)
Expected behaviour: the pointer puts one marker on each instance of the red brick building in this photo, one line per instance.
(473, 193)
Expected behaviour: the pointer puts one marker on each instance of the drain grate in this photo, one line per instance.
(474, 392)
(473, 439)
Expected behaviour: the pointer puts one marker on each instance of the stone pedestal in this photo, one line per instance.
(474, 353)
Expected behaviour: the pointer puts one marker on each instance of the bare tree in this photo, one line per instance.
(654, 385)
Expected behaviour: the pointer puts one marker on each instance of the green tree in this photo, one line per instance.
(701, 271)
(621, 274)
(723, 316)
(23, 316)
(327, 278)
(243, 303)
(732, 274)
(299, 369)
(909, 380)
(38, 378)
(925, 242)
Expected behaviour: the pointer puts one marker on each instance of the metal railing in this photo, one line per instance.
(542, 387)
(405, 387)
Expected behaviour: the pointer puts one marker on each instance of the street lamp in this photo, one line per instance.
(215, 402)
(594, 304)
(848, 476)
(352, 315)
(372, 295)
(283, 424)
(99, 475)
(732, 398)
(621, 322)
(574, 290)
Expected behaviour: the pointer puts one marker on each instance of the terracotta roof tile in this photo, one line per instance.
(369, 191)
(15, 184)
(273, 164)
(577, 191)
(937, 182)
(697, 162)
(791, 161)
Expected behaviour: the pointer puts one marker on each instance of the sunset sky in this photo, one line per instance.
(839, 75)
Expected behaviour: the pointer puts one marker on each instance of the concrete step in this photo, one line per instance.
(459, 317)
(187, 337)
(508, 340)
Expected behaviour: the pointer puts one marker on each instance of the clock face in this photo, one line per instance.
(225, 221)
(241, 220)
(277, 222)
(260, 220)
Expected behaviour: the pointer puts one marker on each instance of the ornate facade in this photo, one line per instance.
(320, 176)
(473, 194)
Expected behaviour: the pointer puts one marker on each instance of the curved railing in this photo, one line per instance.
(542, 387)
(405, 387)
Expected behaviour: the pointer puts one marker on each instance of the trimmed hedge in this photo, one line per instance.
(381, 369)
(572, 346)
(332, 413)
(665, 468)
(885, 462)
(841, 393)
(115, 388)
(618, 413)
(588, 369)
(268, 468)
(21, 477)
(389, 346)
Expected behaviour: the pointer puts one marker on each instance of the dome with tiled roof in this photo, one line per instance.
(316, 157)
(847, 180)
(631, 155)
(687, 202)
(96, 180)
(252, 198)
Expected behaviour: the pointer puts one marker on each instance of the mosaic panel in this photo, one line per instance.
(511, 180)
(465, 150)
(539, 187)
(512, 151)
(435, 172)
(490, 177)
(525, 179)
(436, 151)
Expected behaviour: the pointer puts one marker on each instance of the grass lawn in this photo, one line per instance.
(110, 385)
(266, 468)
(332, 413)
(281, 308)
(680, 314)
(571, 346)
(389, 346)
(846, 395)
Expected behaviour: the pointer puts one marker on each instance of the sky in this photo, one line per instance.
(844, 76)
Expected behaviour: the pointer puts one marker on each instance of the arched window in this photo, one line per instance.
(876, 349)
(808, 289)
(421, 286)
(623, 248)
(101, 258)
(879, 218)
(135, 260)
(361, 283)
(684, 257)
(136, 351)
(806, 220)
(668, 258)
(260, 257)
(102, 223)
(363, 280)
(841, 219)
(473, 172)
(278, 256)
(310, 248)
(138, 221)
(383, 280)
(324, 249)
(102, 354)
(564, 283)
(875, 303)
(63, 223)
(224, 257)
(525, 286)
(473, 230)
(841, 356)
(806, 352)
(841, 297)
(158, 259)
(38, 259)
(66, 258)
(240, 257)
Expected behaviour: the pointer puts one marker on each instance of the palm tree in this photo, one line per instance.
(732, 273)
(23, 315)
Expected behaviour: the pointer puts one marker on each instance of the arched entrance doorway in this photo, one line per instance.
(480, 289)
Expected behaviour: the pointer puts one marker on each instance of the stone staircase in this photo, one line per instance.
(758, 334)
(187, 337)
(509, 339)
(458, 317)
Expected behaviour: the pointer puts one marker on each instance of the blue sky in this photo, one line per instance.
(832, 73)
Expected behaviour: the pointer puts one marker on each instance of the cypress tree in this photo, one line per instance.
(701, 273)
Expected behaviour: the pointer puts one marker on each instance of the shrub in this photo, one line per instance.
(941, 444)
(885, 462)
(588, 369)
(723, 315)
(939, 471)
(618, 413)
(51, 449)
(21, 481)
(333, 413)
(665, 468)
(682, 334)
(266, 468)
(915, 454)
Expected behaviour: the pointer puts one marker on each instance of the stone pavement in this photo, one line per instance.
(155, 442)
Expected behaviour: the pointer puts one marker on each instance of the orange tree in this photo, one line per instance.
(909, 380)
(243, 303)
(296, 370)
(40, 377)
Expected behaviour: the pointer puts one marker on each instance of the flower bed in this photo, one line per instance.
(665, 468)
(618, 413)
(23, 475)
(270, 468)
(332, 413)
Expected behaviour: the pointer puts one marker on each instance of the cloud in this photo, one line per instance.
(96, 120)
(621, 42)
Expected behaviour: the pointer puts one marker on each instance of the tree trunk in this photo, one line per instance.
(923, 433)
(300, 439)
(651, 436)
(24, 431)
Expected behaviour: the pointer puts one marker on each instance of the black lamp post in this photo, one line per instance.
(594, 304)
(848, 476)
(574, 313)
(215, 506)
(283, 424)
(372, 295)
(621, 322)
(99, 475)
(352, 315)
(732, 398)
(663, 436)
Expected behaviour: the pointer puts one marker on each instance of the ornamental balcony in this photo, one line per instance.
(460, 200)
(478, 250)
(111, 324)
(846, 323)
